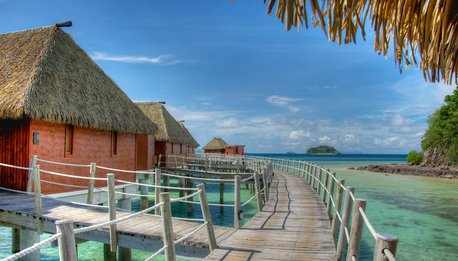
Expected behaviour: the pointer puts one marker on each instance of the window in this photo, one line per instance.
(69, 140)
(114, 143)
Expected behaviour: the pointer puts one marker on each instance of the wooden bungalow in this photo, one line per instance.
(56, 103)
(219, 146)
(172, 137)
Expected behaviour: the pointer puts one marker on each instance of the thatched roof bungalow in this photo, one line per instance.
(56, 103)
(172, 137)
(218, 145)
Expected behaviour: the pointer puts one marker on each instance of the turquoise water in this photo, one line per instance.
(421, 211)
(223, 216)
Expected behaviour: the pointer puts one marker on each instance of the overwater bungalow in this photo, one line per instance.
(56, 103)
(219, 146)
(172, 138)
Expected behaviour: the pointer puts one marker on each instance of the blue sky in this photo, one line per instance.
(231, 71)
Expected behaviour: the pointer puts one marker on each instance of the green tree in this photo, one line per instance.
(442, 132)
(414, 157)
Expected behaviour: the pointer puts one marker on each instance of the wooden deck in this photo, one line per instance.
(142, 232)
(292, 226)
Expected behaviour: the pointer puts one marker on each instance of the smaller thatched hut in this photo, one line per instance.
(172, 137)
(56, 103)
(218, 145)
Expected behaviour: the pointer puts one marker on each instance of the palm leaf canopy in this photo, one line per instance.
(419, 29)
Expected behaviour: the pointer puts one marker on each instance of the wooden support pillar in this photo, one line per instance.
(330, 194)
(342, 241)
(221, 193)
(207, 217)
(237, 201)
(67, 246)
(166, 181)
(90, 189)
(37, 194)
(167, 227)
(16, 240)
(266, 186)
(189, 184)
(385, 241)
(356, 230)
(125, 253)
(107, 254)
(157, 191)
(257, 191)
(181, 184)
(337, 208)
(112, 212)
(27, 239)
(144, 191)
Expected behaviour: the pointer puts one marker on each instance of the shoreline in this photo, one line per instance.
(412, 170)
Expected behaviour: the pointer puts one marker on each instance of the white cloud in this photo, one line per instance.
(281, 100)
(294, 109)
(324, 139)
(163, 59)
(295, 134)
(349, 137)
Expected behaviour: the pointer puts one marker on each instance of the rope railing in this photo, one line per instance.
(33, 248)
(126, 171)
(71, 176)
(14, 167)
(64, 164)
(196, 178)
(178, 241)
(154, 186)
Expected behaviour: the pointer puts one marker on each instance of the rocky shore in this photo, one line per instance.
(441, 172)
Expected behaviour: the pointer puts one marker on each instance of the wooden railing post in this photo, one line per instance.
(356, 230)
(345, 219)
(167, 227)
(38, 200)
(157, 191)
(330, 194)
(307, 172)
(319, 181)
(112, 211)
(325, 186)
(66, 242)
(314, 176)
(385, 241)
(159, 160)
(266, 186)
(207, 217)
(144, 191)
(337, 208)
(33, 162)
(257, 191)
(90, 189)
(237, 201)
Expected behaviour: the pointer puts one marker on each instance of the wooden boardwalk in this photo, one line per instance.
(292, 226)
(143, 232)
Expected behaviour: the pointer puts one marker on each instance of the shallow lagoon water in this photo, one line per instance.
(421, 211)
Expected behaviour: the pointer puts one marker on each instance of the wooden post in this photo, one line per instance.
(166, 181)
(16, 240)
(221, 193)
(313, 176)
(207, 217)
(157, 191)
(326, 183)
(33, 162)
(38, 200)
(385, 241)
(67, 247)
(144, 191)
(257, 191)
(189, 184)
(112, 211)
(320, 181)
(345, 219)
(159, 161)
(90, 189)
(266, 186)
(356, 230)
(125, 253)
(28, 239)
(181, 184)
(167, 227)
(330, 195)
(337, 208)
(237, 201)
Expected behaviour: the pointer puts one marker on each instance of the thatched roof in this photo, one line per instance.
(215, 144)
(168, 128)
(45, 75)
(194, 143)
(417, 27)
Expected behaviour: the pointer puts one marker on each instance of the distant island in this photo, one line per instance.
(322, 150)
